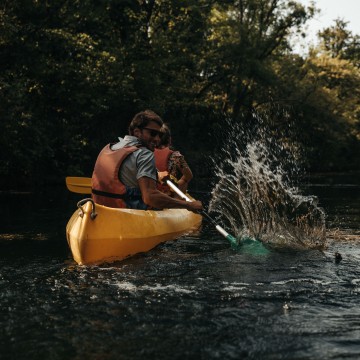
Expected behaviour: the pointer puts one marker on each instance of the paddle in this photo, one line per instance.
(222, 231)
(80, 185)
(246, 244)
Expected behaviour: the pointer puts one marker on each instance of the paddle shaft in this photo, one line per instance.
(221, 230)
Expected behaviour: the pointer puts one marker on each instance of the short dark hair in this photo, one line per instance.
(142, 119)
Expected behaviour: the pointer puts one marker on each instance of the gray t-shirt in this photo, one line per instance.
(138, 164)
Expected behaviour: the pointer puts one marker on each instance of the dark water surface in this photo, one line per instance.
(186, 299)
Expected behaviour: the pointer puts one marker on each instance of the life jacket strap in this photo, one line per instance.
(107, 194)
(125, 196)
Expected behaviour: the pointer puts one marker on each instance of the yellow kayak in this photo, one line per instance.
(98, 234)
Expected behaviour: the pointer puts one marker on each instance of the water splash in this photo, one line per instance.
(255, 189)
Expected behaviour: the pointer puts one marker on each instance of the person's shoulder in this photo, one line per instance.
(143, 153)
(144, 150)
(127, 141)
(176, 153)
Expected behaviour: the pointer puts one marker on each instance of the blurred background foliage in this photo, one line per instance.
(74, 73)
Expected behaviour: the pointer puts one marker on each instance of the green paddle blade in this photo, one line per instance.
(252, 246)
(233, 241)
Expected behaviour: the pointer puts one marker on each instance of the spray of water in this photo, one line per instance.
(256, 171)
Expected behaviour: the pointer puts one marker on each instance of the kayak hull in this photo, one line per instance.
(115, 234)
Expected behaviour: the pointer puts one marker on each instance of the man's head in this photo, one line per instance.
(146, 126)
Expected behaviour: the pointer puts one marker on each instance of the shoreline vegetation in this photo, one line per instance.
(73, 74)
(199, 185)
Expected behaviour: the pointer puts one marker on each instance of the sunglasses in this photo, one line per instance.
(152, 132)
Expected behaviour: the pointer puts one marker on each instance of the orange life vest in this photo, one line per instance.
(162, 157)
(107, 189)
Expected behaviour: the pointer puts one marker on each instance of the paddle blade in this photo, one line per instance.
(232, 240)
(252, 246)
(80, 185)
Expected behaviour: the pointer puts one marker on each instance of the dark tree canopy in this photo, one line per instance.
(73, 74)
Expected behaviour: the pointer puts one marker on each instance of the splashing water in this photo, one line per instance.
(254, 192)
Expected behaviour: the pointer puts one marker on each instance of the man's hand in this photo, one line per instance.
(158, 200)
(195, 206)
(163, 176)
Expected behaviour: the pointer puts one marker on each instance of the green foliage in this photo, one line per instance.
(73, 73)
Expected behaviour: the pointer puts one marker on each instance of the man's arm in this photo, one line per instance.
(158, 200)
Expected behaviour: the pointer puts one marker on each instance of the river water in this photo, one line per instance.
(193, 298)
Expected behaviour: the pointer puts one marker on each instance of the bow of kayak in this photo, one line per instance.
(98, 234)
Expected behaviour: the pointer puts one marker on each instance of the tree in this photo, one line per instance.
(324, 89)
(74, 73)
(244, 38)
(339, 42)
(62, 72)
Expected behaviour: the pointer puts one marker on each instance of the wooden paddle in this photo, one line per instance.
(82, 185)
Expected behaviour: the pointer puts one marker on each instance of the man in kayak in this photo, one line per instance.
(125, 175)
